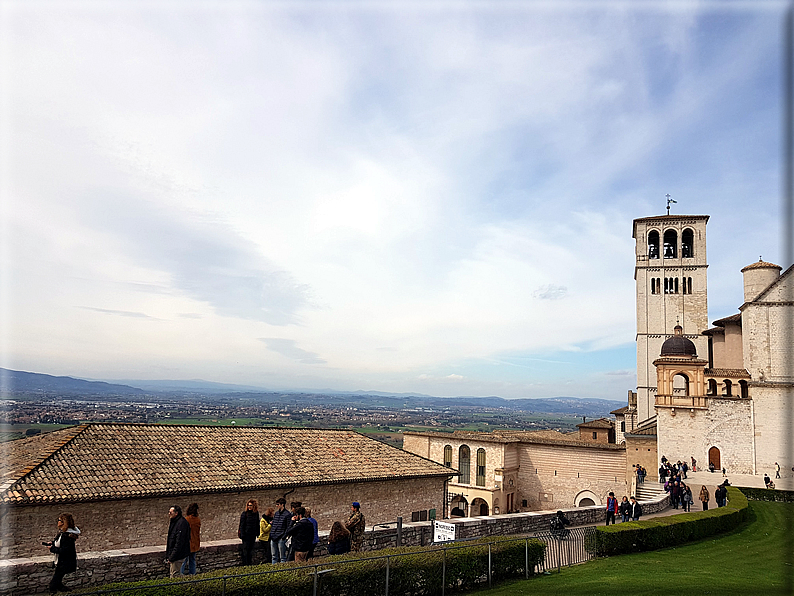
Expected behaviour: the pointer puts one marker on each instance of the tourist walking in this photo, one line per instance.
(635, 509)
(338, 539)
(65, 551)
(177, 546)
(194, 521)
(248, 531)
(704, 497)
(625, 509)
(686, 497)
(278, 527)
(355, 525)
(612, 507)
(777, 470)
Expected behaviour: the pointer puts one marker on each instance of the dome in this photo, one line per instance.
(678, 345)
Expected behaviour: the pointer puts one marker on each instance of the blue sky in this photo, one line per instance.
(430, 198)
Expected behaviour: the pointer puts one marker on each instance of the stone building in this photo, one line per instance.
(511, 471)
(722, 394)
(119, 480)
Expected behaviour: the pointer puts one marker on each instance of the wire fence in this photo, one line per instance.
(565, 548)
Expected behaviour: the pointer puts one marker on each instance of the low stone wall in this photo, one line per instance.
(22, 577)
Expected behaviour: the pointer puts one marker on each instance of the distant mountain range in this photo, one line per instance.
(19, 382)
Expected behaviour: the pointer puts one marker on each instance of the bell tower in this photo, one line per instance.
(670, 277)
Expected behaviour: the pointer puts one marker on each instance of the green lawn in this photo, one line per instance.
(754, 559)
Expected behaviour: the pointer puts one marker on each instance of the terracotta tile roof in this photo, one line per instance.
(759, 264)
(598, 423)
(121, 461)
(620, 411)
(553, 437)
(737, 318)
(464, 435)
(647, 430)
(727, 372)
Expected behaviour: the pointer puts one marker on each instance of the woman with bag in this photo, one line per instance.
(704, 497)
(65, 552)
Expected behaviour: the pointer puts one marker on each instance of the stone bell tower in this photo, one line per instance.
(670, 276)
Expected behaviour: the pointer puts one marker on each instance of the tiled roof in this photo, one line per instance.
(737, 318)
(598, 423)
(552, 437)
(727, 372)
(464, 435)
(620, 411)
(121, 461)
(648, 430)
(759, 264)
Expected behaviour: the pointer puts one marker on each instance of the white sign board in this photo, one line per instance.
(443, 532)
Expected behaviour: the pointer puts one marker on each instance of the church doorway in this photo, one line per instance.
(714, 457)
(479, 507)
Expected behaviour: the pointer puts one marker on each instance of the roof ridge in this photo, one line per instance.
(43, 458)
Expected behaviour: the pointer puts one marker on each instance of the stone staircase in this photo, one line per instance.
(649, 491)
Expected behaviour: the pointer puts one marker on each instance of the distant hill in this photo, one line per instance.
(27, 382)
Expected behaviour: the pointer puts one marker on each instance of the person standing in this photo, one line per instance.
(193, 520)
(612, 507)
(65, 551)
(777, 470)
(686, 497)
(704, 497)
(302, 533)
(178, 545)
(264, 533)
(248, 530)
(338, 539)
(278, 527)
(316, 540)
(634, 509)
(355, 525)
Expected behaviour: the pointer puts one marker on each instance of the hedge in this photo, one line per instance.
(663, 532)
(415, 571)
(768, 494)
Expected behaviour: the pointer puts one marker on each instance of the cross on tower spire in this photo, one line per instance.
(669, 200)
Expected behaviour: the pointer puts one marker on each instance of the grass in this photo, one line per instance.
(754, 559)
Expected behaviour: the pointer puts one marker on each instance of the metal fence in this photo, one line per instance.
(562, 550)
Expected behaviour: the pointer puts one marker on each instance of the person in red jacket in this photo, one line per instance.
(612, 507)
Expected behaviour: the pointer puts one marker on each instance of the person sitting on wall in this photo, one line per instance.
(558, 523)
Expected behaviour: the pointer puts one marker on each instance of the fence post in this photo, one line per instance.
(526, 558)
(559, 553)
(388, 561)
(569, 550)
(223, 593)
(444, 571)
(399, 531)
(489, 564)
(316, 577)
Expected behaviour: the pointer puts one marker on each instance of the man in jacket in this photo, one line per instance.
(279, 527)
(612, 507)
(635, 510)
(302, 533)
(355, 525)
(178, 544)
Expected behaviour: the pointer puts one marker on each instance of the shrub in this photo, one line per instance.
(766, 494)
(415, 571)
(662, 532)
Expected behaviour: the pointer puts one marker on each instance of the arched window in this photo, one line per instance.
(712, 387)
(448, 455)
(670, 244)
(464, 465)
(681, 384)
(480, 480)
(727, 388)
(687, 244)
(743, 389)
(653, 245)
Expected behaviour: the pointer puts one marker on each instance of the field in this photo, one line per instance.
(754, 559)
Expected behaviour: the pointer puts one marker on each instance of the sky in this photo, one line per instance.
(429, 197)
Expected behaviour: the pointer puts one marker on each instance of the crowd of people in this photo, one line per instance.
(627, 509)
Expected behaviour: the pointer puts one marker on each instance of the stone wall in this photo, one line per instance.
(132, 523)
(641, 449)
(22, 577)
(726, 425)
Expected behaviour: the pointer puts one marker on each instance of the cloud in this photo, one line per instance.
(121, 313)
(288, 349)
(550, 292)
